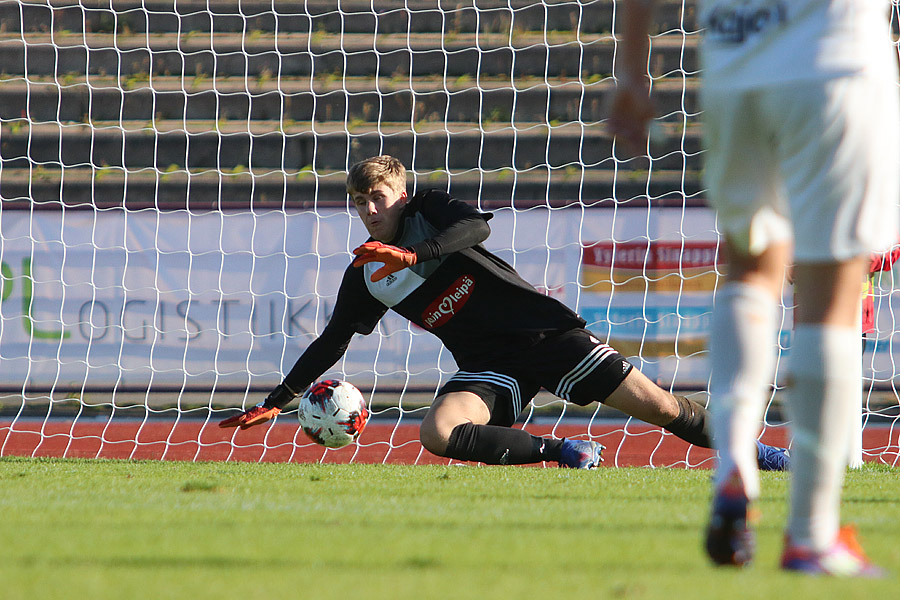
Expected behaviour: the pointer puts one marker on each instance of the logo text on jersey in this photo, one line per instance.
(734, 24)
(445, 305)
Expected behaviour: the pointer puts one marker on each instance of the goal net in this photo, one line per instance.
(174, 224)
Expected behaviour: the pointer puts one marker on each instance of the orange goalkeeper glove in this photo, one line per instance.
(394, 258)
(252, 416)
(266, 410)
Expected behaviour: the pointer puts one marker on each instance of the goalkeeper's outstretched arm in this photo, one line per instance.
(354, 312)
(321, 354)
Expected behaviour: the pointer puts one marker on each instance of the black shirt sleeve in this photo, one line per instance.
(355, 311)
(459, 225)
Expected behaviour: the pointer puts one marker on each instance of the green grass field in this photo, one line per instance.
(127, 530)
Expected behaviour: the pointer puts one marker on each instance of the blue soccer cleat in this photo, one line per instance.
(581, 454)
(770, 458)
(729, 537)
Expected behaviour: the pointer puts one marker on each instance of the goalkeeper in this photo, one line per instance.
(425, 261)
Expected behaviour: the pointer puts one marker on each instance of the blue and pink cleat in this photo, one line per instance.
(845, 558)
(729, 537)
(581, 454)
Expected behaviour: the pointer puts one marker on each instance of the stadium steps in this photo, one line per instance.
(211, 189)
(350, 99)
(229, 104)
(393, 16)
(261, 59)
(327, 146)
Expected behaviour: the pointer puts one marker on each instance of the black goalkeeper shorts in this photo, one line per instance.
(575, 366)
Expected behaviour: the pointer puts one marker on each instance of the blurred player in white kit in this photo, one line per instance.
(801, 120)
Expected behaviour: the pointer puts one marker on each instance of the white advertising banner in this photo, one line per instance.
(113, 299)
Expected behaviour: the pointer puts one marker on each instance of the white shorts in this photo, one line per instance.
(815, 161)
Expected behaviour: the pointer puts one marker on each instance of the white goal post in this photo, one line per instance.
(173, 220)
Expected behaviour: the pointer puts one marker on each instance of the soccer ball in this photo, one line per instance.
(333, 413)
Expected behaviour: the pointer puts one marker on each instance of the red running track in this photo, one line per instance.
(627, 445)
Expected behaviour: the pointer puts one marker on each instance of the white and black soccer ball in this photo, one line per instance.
(333, 413)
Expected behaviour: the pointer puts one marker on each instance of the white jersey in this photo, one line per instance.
(755, 43)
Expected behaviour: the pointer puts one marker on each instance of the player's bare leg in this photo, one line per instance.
(456, 427)
(446, 413)
(642, 399)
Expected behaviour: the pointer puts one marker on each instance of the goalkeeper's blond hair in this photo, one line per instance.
(366, 174)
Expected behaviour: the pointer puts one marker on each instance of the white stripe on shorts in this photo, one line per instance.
(496, 378)
(582, 370)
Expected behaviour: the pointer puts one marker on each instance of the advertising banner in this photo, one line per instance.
(115, 299)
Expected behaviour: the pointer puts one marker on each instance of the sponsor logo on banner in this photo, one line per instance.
(649, 267)
(445, 306)
(653, 330)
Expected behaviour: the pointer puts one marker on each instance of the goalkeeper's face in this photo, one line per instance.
(380, 210)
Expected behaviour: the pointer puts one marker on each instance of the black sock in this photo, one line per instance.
(692, 423)
(495, 445)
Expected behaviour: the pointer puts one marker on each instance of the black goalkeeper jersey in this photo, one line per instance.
(474, 302)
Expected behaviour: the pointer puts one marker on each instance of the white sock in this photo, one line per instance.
(822, 399)
(742, 344)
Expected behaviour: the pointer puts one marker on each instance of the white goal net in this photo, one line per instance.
(173, 220)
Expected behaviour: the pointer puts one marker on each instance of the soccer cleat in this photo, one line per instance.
(845, 558)
(770, 458)
(581, 454)
(729, 537)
